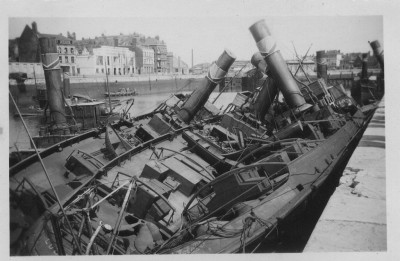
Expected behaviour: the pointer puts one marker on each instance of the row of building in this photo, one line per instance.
(114, 55)
(335, 60)
(134, 54)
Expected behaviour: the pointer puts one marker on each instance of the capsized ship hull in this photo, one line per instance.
(189, 178)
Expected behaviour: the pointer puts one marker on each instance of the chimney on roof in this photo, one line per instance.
(34, 27)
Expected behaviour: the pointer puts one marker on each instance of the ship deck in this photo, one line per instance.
(136, 165)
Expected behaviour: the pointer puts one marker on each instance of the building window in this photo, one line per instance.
(99, 60)
(72, 50)
(102, 70)
(72, 59)
(65, 50)
(60, 57)
(66, 59)
(108, 60)
(97, 70)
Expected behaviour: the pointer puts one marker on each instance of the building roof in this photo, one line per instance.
(57, 36)
(142, 47)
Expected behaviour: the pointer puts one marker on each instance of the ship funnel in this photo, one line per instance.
(322, 66)
(52, 73)
(216, 73)
(277, 67)
(364, 70)
(267, 93)
(378, 52)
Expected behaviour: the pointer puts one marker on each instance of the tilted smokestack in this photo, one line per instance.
(378, 52)
(277, 67)
(322, 66)
(52, 73)
(216, 73)
(267, 93)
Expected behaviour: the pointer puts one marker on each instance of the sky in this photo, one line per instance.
(208, 36)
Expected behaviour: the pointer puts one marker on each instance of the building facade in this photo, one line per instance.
(354, 60)
(144, 59)
(170, 62)
(106, 59)
(333, 58)
(200, 68)
(29, 49)
(160, 54)
(67, 55)
(177, 66)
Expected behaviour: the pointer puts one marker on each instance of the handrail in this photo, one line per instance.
(138, 148)
(48, 151)
(147, 186)
(90, 156)
(25, 179)
(161, 196)
(193, 161)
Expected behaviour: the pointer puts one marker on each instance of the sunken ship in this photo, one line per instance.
(188, 177)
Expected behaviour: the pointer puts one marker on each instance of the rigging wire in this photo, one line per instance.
(46, 173)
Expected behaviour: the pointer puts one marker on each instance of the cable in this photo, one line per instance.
(46, 173)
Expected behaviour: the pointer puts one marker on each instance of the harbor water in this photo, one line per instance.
(18, 137)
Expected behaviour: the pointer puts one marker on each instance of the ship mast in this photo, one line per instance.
(107, 87)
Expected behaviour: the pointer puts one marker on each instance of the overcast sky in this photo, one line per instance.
(208, 36)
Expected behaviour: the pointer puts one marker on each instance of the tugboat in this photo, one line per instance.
(189, 178)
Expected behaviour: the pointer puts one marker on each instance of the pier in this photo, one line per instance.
(355, 216)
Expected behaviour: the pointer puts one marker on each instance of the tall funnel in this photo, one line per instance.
(378, 52)
(322, 66)
(199, 97)
(268, 92)
(277, 67)
(364, 70)
(52, 73)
